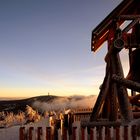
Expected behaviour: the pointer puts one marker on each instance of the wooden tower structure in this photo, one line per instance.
(113, 102)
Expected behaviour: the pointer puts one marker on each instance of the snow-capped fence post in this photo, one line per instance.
(31, 133)
(48, 133)
(39, 133)
(22, 133)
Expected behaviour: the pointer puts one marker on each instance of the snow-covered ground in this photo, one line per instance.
(9, 133)
(12, 133)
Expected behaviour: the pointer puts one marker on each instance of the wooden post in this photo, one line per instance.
(117, 47)
(107, 133)
(74, 133)
(126, 132)
(91, 134)
(138, 131)
(117, 132)
(134, 132)
(122, 94)
(83, 133)
(127, 83)
(55, 134)
(113, 66)
(99, 129)
(31, 133)
(106, 109)
(65, 133)
(22, 133)
(101, 98)
(48, 133)
(113, 102)
(39, 133)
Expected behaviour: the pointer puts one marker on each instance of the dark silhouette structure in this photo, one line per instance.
(121, 30)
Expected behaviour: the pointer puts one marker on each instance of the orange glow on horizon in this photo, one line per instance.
(31, 92)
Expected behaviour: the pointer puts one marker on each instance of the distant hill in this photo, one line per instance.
(42, 103)
(20, 105)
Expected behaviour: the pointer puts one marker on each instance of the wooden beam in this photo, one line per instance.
(101, 97)
(135, 100)
(100, 123)
(128, 17)
(105, 25)
(127, 83)
(96, 43)
(122, 94)
(130, 26)
(114, 14)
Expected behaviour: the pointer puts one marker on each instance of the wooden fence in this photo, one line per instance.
(81, 133)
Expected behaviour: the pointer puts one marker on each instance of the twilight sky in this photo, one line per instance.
(45, 47)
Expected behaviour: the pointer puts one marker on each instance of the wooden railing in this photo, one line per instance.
(82, 133)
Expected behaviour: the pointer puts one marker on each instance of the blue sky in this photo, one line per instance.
(45, 47)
